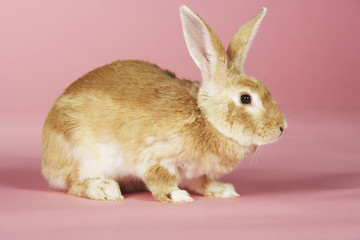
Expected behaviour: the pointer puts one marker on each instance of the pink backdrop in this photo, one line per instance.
(307, 52)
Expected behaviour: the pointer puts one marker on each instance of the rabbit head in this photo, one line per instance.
(238, 106)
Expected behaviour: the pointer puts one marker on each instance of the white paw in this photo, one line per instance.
(222, 190)
(103, 189)
(181, 196)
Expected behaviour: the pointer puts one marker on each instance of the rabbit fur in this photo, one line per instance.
(133, 123)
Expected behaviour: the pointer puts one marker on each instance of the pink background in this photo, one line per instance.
(304, 187)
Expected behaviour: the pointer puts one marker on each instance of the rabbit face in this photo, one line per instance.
(255, 111)
(243, 110)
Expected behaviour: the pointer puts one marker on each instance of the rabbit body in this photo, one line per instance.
(131, 122)
(119, 120)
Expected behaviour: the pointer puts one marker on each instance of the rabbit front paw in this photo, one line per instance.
(180, 196)
(103, 189)
(220, 189)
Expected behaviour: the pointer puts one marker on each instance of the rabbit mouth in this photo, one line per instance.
(264, 140)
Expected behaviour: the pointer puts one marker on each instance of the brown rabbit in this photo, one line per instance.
(131, 120)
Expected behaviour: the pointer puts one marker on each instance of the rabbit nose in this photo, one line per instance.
(282, 126)
(281, 129)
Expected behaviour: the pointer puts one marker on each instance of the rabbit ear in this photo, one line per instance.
(203, 44)
(241, 42)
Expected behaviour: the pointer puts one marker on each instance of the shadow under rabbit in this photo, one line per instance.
(265, 182)
(248, 183)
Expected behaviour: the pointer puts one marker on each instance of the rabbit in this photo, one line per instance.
(131, 122)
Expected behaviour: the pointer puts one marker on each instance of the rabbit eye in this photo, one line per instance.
(245, 99)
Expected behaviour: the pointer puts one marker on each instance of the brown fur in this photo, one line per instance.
(154, 127)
